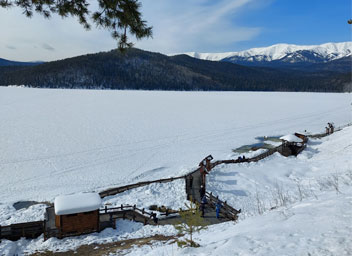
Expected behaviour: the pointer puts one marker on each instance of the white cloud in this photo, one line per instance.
(48, 47)
(195, 25)
(178, 26)
(35, 38)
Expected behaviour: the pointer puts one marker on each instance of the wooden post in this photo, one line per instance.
(44, 230)
(98, 220)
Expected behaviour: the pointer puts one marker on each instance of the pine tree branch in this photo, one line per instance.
(117, 16)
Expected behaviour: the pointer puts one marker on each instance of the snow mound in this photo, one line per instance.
(291, 138)
(71, 204)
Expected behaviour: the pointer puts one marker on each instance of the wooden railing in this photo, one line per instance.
(226, 209)
(27, 230)
(117, 190)
(126, 212)
(125, 208)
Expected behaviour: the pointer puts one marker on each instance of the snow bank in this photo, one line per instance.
(171, 195)
(315, 227)
(9, 215)
(71, 204)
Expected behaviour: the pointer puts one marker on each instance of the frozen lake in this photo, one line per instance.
(64, 141)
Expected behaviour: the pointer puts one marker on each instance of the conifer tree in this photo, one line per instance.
(191, 222)
(118, 16)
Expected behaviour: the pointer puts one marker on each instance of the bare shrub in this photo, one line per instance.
(281, 195)
(300, 190)
(259, 203)
(333, 181)
(323, 184)
(312, 191)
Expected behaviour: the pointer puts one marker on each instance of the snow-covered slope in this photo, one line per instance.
(323, 53)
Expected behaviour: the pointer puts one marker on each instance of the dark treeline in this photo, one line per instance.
(137, 69)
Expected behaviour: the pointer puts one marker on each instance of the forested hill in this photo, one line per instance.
(137, 69)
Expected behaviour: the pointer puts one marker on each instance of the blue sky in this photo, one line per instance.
(185, 25)
(299, 22)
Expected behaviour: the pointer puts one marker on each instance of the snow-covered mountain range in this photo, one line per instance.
(282, 53)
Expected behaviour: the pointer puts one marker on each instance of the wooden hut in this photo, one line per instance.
(77, 214)
(292, 144)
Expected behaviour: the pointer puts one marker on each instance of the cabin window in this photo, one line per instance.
(72, 215)
(87, 213)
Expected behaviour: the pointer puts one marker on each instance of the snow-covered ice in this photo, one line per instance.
(89, 140)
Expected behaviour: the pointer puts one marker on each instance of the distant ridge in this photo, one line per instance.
(4, 62)
(284, 55)
(330, 51)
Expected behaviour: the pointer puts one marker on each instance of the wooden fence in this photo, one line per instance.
(117, 190)
(228, 211)
(107, 216)
(27, 230)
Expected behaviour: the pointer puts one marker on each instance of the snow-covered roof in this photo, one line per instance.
(291, 138)
(71, 204)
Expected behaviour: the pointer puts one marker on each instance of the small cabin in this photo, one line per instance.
(77, 214)
(292, 144)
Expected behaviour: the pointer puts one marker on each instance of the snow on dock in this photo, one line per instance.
(291, 138)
